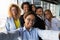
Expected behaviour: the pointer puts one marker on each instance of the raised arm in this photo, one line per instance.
(48, 34)
(11, 35)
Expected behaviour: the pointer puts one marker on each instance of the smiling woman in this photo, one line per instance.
(28, 32)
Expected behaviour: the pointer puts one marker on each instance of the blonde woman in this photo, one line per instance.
(13, 21)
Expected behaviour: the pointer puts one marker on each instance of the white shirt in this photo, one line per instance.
(55, 24)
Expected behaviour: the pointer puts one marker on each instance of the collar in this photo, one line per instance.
(39, 15)
(24, 29)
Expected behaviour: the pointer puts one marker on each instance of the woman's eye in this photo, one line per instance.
(30, 20)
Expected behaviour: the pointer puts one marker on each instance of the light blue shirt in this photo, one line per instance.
(33, 34)
(29, 35)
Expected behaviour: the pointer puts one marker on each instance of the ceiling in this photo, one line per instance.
(53, 1)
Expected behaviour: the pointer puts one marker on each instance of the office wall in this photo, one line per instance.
(57, 10)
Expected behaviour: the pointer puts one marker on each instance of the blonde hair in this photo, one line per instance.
(18, 10)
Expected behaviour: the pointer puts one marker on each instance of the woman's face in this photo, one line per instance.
(47, 15)
(33, 8)
(26, 8)
(29, 21)
(14, 11)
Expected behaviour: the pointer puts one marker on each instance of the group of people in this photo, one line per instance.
(33, 23)
(42, 18)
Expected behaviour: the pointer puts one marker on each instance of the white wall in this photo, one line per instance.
(4, 5)
(57, 10)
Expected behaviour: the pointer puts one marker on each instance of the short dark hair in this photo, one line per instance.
(39, 8)
(25, 3)
(28, 13)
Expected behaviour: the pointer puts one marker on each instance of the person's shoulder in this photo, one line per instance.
(21, 16)
(36, 29)
(55, 19)
(46, 20)
(21, 27)
(37, 18)
(9, 17)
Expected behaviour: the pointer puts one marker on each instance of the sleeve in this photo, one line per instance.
(13, 35)
(48, 34)
(58, 23)
(7, 25)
